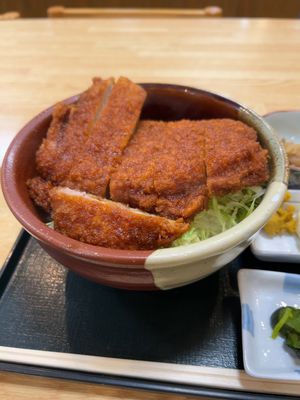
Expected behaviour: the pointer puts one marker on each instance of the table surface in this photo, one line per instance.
(253, 61)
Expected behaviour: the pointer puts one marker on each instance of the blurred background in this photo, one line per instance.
(231, 8)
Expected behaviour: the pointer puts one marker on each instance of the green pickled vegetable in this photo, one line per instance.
(223, 213)
(286, 322)
(284, 315)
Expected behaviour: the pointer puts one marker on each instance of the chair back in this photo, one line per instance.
(68, 12)
(9, 15)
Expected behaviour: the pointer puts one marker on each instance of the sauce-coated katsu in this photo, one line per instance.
(39, 191)
(69, 130)
(107, 139)
(163, 169)
(107, 223)
(233, 157)
(85, 141)
(100, 165)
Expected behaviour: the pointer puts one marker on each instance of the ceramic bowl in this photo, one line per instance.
(146, 270)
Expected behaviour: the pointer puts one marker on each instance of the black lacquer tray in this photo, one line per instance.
(191, 333)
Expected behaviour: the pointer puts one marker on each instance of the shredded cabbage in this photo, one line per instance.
(222, 213)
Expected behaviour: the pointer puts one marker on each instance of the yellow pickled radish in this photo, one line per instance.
(284, 220)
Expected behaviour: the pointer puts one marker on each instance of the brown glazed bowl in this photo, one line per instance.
(145, 270)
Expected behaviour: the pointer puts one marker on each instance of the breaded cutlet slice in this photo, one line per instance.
(108, 138)
(162, 170)
(69, 130)
(234, 158)
(39, 192)
(102, 222)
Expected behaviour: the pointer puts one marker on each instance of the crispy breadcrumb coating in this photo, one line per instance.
(234, 158)
(108, 138)
(162, 170)
(39, 190)
(106, 223)
(48, 156)
(69, 131)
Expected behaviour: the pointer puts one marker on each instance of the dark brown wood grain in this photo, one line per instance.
(231, 8)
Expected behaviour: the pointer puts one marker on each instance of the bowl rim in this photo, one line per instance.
(135, 258)
(281, 112)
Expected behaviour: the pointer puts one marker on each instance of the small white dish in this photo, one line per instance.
(280, 247)
(286, 124)
(261, 293)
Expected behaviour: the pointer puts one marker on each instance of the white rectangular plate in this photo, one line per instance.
(261, 293)
(281, 247)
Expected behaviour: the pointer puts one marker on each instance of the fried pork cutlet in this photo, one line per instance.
(234, 159)
(107, 139)
(162, 170)
(69, 130)
(105, 223)
(39, 190)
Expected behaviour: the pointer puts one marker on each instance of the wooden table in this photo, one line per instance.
(255, 62)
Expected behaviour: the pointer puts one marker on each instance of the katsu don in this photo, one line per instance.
(113, 180)
(102, 222)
